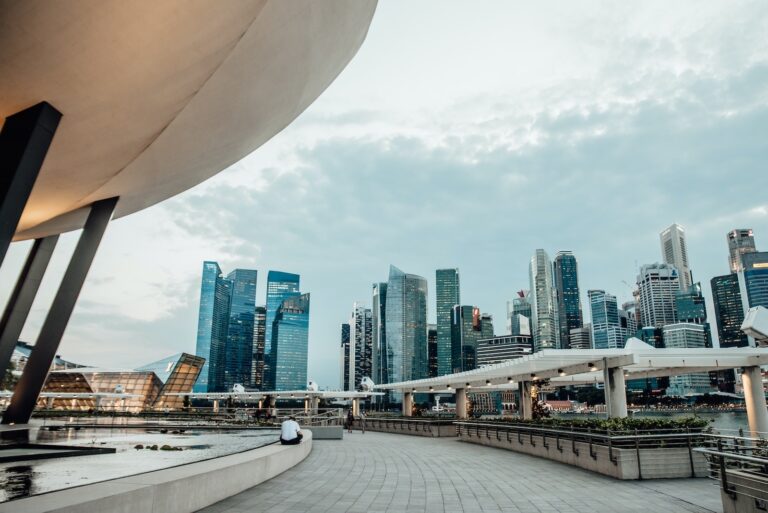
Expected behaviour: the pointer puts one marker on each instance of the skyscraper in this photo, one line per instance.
(212, 328)
(290, 341)
(360, 350)
(581, 338)
(280, 286)
(259, 342)
(406, 326)
(543, 306)
(240, 330)
(347, 364)
(686, 335)
(447, 296)
(740, 241)
(379, 334)
(468, 326)
(432, 350)
(567, 293)
(519, 316)
(675, 252)
(729, 310)
(753, 279)
(658, 284)
(607, 331)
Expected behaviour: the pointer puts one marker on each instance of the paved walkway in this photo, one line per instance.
(379, 472)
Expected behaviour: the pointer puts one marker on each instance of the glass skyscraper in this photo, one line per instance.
(432, 350)
(658, 284)
(607, 330)
(379, 334)
(357, 353)
(543, 307)
(280, 286)
(240, 330)
(406, 327)
(468, 327)
(259, 342)
(729, 310)
(754, 279)
(675, 253)
(290, 343)
(567, 292)
(519, 316)
(740, 241)
(346, 364)
(447, 296)
(212, 325)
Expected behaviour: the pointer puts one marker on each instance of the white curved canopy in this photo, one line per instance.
(157, 97)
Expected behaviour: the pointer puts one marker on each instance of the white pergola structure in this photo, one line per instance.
(563, 367)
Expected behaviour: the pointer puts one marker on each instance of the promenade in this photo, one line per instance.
(379, 472)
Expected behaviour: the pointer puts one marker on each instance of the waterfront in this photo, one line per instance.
(726, 422)
(23, 479)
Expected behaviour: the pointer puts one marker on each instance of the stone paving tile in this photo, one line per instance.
(384, 473)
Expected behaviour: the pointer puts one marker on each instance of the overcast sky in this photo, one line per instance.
(465, 135)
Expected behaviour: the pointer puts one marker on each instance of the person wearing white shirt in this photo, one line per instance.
(290, 432)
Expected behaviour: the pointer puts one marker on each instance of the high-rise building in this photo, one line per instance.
(491, 351)
(406, 327)
(379, 334)
(581, 338)
(675, 253)
(607, 331)
(432, 350)
(238, 358)
(447, 296)
(468, 326)
(359, 356)
(567, 293)
(519, 315)
(212, 328)
(740, 241)
(290, 344)
(259, 343)
(280, 286)
(753, 279)
(543, 307)
(729, 310)
(691, 308)
(686, 335)
(658, 284)
(347, 364)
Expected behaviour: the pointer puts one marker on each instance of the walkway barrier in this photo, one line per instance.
(741, 466)
(415, 427)
(623, 455)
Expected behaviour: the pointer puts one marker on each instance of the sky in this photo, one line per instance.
(463, 134)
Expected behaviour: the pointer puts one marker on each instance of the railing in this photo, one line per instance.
(742, 470)
(414, 426)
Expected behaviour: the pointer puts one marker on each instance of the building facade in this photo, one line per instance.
(447, 295)
(280, 286)
(238, 354)
(740, 241)
(519, 315)
(658, 284)
(729, 310)
(566, 277)
(686, 335)
(379, 334)
(675, 252)
(432, 355)
(212, 328)
(544, 317)
(359, 358)
(346, 357)
(259, 343)
(581, 338)
(290, 344)
(495, 350)
(607, 331)
(468, 327)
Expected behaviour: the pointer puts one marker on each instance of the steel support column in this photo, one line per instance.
(461, 403)
(36, 370)
(23, 296)
(24, 142)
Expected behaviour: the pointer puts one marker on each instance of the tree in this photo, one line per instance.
(9, 380)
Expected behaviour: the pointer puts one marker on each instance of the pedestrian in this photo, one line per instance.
(362, 422)
(290, 432)
(350, 420)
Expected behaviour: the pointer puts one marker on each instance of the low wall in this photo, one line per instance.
(181, 489)
(620, 463)
(749, 492)
(430, 428)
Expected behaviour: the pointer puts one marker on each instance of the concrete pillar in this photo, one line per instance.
(315, 405)
(407, 404)
(215, 406)
(525, 408)
(306, 405)
(615, 392)
(356, 406)
(461, 403)
(754, 399)
(49, 403)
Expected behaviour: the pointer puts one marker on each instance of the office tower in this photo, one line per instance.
(633, 312)
(753, 279)
(581, 338)
(238, 357)
(280, 286)
(259, 343)
(543, 306)
(658, 284)
(567, 293)
(447, 296)
(519, 317)
(212, 328)
(406, 326)
(607, 331)
(627, 321)
(493, 350)
(692, 308)
(379, 334)
(432, 350)
(468, 326)
(347, 362)
(360, 346)
(675, 253)
(290, 341)
(740, 241)
(729, 310)
(686, 335)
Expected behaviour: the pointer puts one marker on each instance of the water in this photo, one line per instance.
(22, 479)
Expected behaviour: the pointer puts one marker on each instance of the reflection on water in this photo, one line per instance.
(41, 476)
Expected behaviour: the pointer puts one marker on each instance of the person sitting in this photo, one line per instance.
(290, 432)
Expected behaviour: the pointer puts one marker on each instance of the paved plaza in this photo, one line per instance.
(379, 472)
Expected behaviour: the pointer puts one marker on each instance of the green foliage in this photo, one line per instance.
(9, 381)
(620, 424)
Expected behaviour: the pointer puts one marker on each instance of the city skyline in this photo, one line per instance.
(447, 171)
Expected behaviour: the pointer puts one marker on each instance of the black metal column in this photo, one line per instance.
(23, 296)
(36, 370)
(24, 142)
